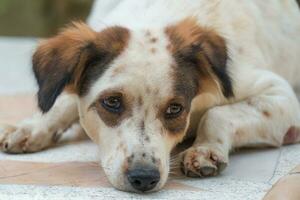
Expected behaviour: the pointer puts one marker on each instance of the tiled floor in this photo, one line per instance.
(250, 174)
(15, 62)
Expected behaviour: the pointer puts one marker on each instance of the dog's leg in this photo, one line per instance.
(271, 117)
(42, 130)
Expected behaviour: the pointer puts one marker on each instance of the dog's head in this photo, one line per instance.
(136, 90)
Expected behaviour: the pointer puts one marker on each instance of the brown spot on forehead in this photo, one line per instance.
(219, 141)
(142, 126)
(266, 113)
(153, 40)
(240, 50)
(147, 33)
(140, 101)
(147, 139)
(148, 90)
(118, 70)
(146, 112)
(156, 91)
(153, 50)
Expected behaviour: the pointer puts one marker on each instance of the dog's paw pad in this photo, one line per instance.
(202, 162)
(221, 166)
(13, 140)
(208, 171)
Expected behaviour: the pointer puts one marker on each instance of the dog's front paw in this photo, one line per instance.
(13, 139)
(22, 139)
(203, 161)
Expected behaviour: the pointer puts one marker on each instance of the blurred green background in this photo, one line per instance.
(40, 18)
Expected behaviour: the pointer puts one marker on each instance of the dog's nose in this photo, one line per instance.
(143, 178)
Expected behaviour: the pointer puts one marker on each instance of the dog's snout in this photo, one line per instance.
(143, 178)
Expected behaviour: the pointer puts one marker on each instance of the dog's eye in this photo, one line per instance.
(174, 110)
(112, 104)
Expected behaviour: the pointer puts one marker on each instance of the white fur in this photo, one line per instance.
(264, 47)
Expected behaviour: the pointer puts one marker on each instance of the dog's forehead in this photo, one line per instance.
(145, 66)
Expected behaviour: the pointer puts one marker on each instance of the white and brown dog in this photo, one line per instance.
(221, 71)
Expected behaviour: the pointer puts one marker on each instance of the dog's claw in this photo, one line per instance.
(221, 166)
(208, 171)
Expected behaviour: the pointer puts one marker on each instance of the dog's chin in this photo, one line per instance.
(130, 189)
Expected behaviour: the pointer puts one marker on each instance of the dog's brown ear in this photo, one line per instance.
(66, 60)
(201, 49)
(56, 59)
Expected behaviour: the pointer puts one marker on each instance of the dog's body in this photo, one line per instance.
(219, 70)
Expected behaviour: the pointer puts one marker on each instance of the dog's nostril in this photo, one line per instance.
(144, 178)
(153, 183)
(137, 182)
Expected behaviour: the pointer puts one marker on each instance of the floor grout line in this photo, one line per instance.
(276, 166)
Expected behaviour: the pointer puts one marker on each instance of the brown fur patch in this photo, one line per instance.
(175, 125)
(153, 50)
(263, 134)
(147, 139)
(118, 70)
(140, 101)
(250, 103)
(219, 141)
(200, 53)
(238, 136)
(142, 127)
(109, 118)
(74, 59)
(148, 33)
(108, 45)
(148, 90)
(125, 166)
(266, 113)
(241, 50)
(153, 40)
(169, 47)
(155, 91)
(146, 113)
(183, 34)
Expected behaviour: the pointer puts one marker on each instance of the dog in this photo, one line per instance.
(161, 72)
